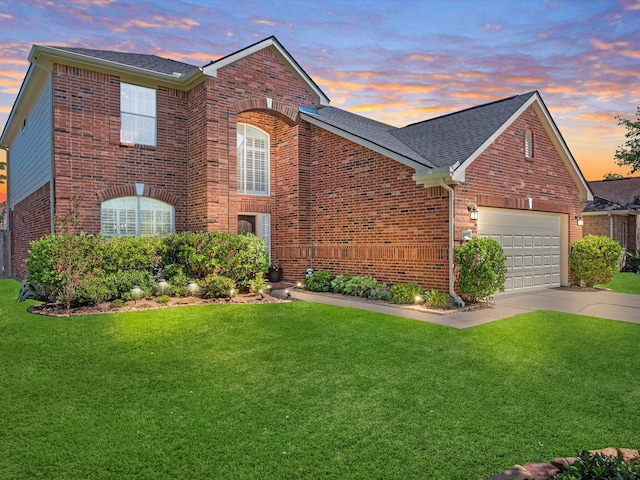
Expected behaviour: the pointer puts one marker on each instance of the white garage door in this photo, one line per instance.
(531, 243)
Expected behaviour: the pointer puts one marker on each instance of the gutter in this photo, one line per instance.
(456, 297)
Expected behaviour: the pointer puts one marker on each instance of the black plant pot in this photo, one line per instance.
(274, 275)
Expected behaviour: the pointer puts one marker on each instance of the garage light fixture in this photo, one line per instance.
(473, 212)
(580, 220)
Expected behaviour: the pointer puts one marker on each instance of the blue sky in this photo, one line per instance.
(396, 61)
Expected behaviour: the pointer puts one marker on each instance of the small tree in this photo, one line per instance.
(629, 153)
(595, 259)
(482, 269)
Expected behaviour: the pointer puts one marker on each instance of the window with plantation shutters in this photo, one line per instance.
(134, 216)
(137, 115)
(253, 160)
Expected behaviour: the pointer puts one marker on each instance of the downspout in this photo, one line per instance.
(452, 230)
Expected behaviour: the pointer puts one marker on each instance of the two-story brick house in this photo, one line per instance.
(250, 143)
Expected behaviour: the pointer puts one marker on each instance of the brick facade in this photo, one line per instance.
(621, 228)
(30, 220)
(333, 203)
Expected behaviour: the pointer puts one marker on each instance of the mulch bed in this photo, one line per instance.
(59, 310)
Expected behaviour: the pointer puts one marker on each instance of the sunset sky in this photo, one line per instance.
(395, 61)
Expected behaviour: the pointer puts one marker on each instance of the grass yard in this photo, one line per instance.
(624, 282)
(302, 390)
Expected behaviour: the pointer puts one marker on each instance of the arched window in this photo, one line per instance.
(528, 144)
(134, 216)
(253, 160)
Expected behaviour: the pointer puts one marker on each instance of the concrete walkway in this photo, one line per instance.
(595, 303)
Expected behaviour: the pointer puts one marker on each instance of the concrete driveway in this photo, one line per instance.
(595, 303)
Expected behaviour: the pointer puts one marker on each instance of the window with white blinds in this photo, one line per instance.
(134, 216)
(137, 114)
(253, 160)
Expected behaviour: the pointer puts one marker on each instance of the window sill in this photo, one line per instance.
(137, 145)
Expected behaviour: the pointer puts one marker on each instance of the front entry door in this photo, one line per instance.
(246, 224)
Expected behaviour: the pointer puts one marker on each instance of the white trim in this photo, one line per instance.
(611, 212)
(213, 67)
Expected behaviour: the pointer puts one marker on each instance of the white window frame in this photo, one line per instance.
(125, 216)
(138, 115)
(252, 181)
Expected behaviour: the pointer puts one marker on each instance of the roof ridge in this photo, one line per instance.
(475, 107)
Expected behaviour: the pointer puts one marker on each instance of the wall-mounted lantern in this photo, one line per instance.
(473, 212)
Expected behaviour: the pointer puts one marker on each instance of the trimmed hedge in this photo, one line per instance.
(88, 269)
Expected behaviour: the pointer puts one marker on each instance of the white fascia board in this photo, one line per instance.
(611, 212)
(212, 69)
(432, 178)
(418, 167)
(111, 67)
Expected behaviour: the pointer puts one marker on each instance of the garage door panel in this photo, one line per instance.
(531, 244)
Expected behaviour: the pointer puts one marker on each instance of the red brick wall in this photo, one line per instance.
(370, 218)
(502, 177)
(601, 225)
(30, 220)
(89, 157)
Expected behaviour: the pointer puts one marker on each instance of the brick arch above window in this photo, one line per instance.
(281, 110)
(130, 191)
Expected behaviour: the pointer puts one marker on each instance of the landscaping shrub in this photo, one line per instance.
(600, 467)
(258, 284)
(58, 265)
(405, 293)
(595, 259)
(132, 253)
(239, 257)
(436, 299)
(481, 267)
(216, 286)
(632, 261)
(339, 284)
(367, 287)
(319, 281)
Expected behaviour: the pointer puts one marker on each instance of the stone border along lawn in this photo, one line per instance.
(549, 471)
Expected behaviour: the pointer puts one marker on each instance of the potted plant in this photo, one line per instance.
(275, 272)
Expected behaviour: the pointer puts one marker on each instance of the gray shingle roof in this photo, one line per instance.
(139, 60)
(370, 130)
(611, 195)
(452, 138)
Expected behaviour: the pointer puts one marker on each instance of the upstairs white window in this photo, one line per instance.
(253, 160)
(528, 144)
(135, 216)
(137, 115)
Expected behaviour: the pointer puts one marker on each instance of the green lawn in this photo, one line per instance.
(624, 282)
(301, 390)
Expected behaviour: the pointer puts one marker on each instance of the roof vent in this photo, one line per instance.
(176, 74)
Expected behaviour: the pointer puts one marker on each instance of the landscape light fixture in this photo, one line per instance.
(473, 212)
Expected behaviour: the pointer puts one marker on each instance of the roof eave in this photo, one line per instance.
(176, 79)
(212, 68)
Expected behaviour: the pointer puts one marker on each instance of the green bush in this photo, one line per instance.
(600, 467)
(481, 267)
(163, 299)
(366, 287)
(319, 281)
(595, 259)
(405, 293)
(436, 299)
(217, 286)
(132, 253)
(339, 284)
(59, 264)
(258, 284)
(632, 261)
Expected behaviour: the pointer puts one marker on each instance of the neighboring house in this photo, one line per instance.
(614, 211)
(249, 143)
